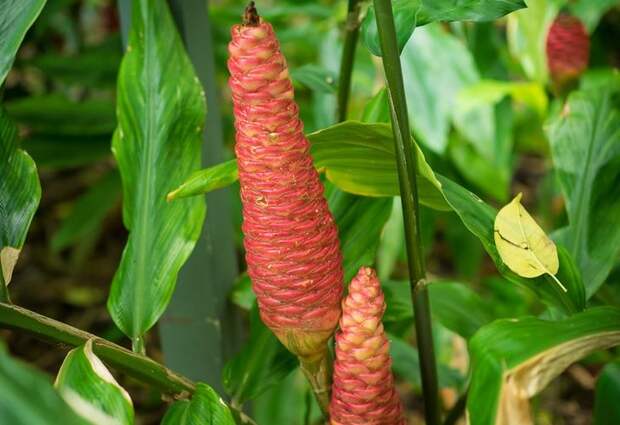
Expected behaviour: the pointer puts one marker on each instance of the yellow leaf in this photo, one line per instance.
(8, 258)
(523, 245)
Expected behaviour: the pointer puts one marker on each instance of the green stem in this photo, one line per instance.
(406, 162)
(138, 366)
(318, 372)
(348, 57)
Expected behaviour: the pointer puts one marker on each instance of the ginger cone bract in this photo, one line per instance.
(363, 390)
(568, 49)
(291, 240)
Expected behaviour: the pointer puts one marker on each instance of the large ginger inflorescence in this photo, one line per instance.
(291, 240)
(568, 49)
(363, 391)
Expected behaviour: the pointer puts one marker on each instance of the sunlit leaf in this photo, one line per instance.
(356, 157)
(585, 146)
(522, 245)
(492, 91)
(205, 408)
(84, 375)
(411, 13)
(515, 359)
(16, 16)
(19, 196)
(161, 111)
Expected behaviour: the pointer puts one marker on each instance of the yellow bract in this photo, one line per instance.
(523, 245)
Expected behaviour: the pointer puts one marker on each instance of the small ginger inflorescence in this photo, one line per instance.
(363, 391)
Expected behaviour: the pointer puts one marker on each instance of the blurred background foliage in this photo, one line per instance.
(479, 98)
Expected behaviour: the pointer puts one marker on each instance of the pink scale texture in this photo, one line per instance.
(568, 48)
(363, 391)
(290, 238)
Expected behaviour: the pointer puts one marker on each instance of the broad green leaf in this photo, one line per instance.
(20, 193)
(585, 146)
(55, 114)
(527, 36)
(205, 408)
(479, 218)
(522, 245)
(436, 66)
(88, 212)
(260, 364)
(84, 375)
(606, 407)
(487, 92)
(411, 13)
(453, 304)
(512, 360)
(356, 157)
(28, 397)
(16, 16)
(315, 78)
(392, 245)
(161, 111)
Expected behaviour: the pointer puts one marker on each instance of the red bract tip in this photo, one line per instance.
(363, 386)
(291, 240)
(568, 49)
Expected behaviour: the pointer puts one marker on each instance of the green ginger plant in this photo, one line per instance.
(314, 209)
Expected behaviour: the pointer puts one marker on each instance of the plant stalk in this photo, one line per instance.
(318, 371)
(406, 163)
(352, 27)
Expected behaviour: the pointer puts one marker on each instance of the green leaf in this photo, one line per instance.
(527, 36)
(454, 305)
(606, 407)
(585, 146)
(28, 397)
(205, 408)
(315, 77)
(260, 364)
(55, 114)
(161, 111)
(591, 11)
(356, 157)
(479, 218)
(514, 359)
(411, 13)
(88, 212)
(360, 221)
(20, 193)
(83, 375)
(487, 92)
(16, 17)
(406, 364)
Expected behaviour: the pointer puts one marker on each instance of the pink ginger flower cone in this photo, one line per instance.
(568, 49)
(291, 240)
(363, 391)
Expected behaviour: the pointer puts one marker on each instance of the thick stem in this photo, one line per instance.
(318, 371)
(348, 57)
(457, 410)
(140, 367)
(406, 162)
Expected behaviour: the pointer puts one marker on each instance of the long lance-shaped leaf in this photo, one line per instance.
(86, 384)
(356, 157)
(411, 13)
(161, 110)
(585, 145)
(16, 16)
(515, 359)
(20, 193)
